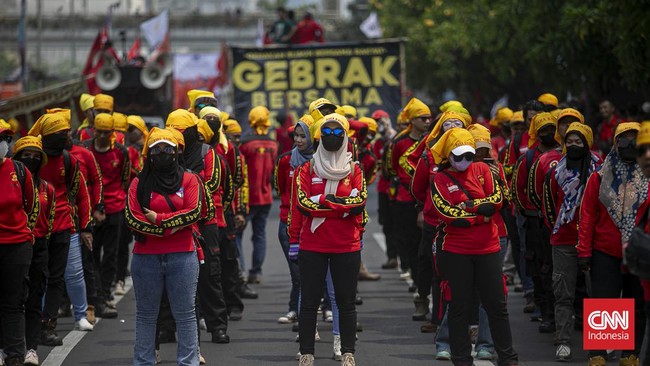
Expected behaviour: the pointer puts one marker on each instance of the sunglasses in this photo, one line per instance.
(467, 156)
(157, 150)
(338, 131)
(451, 124)
(7, 138)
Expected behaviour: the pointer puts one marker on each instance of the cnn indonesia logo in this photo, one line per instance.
(609, 325)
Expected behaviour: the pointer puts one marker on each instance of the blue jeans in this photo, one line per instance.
(177, 273)
(335, 308)
(257, 217)
(526, 281)
(283, 236)
(74, 279)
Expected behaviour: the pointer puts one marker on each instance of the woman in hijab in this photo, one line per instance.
(328, 202)
(465, 197)
(283, 179)
(610, 203)
(164, 204)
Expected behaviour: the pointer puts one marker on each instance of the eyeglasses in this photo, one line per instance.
(450, 124)
(467, 156)
(338, 131)
(157, 150)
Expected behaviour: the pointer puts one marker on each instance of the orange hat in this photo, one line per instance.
(33, 143)
(581, 129)
(258, 118)
(539, 121)
(158, 136)
(549, 99)
(457, 140)
(120, 122)
(49, 124)
(104, 102)
(502, 116)
(104, 122)
(5, 127)
(181, 119)
(232, 126)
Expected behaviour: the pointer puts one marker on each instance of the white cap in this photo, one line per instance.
(460, 150)
(162, 142)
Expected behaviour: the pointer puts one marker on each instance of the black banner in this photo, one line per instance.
(366, 76)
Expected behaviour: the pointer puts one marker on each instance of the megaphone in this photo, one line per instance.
(166, 61)
(152, 76)
(108, 77)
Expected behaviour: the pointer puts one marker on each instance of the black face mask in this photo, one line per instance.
(548, 140)
(163, 162)
(331, 142)
(506, 129)
(191, 137)
(34, 165)
(54, 144)
(215, 125)
(575, 152)
(627, 153)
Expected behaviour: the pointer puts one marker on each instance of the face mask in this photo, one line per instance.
(32, 164)
(461, 166)
(381, 129)
(548, 140)
(627, 153)
(214, 126)
(331, 142)
(575, 152)
(4, 149)
(54, 144)
(163, 162)
(191, 136)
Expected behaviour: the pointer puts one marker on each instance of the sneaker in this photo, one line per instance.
(390, 264)
(298, 356)
(597, 361)
(405, 276)
(473, 333)
(158, 358)
(563, 353)
(202, 325)
(119, 288)
(328, 316)
(316, 337)
(289, 318)
(84, 325)
(201, 359)
(90, 314)
(336, 346)
(306, 360)
(530, 304)
(484, 355)
(443, 356)
(31, 358)
(429, 327)
(348, 360)
(631, 360)
(111, 304)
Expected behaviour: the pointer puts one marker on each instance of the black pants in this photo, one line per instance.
(607, 281)
(107, 237)
(408, 235)
(123, 252)
(513, 235)
(386, 222)
(230, 272)
(539, 265)
(57, 260)
(14, 269)
(467, 274)
(209, 292)
(34, 303)
(344, 268)
(425, 261)
(88, 260)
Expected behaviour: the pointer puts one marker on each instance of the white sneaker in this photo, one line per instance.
(328, 317)
(290, 317)
(298, 356)
(3, 355)
(31, 358)
(337, 348)
(405, 275)
(84, 325)
(348, 360)
(563, 353)
(316, 337)
(306, 360)
(203, 325)
(158, 358)
(119, 288)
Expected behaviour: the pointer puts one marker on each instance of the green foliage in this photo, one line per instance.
(488, 47)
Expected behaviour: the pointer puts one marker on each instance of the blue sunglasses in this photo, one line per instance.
(326, 131)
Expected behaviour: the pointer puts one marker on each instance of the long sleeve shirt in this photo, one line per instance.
(260, 153)
(115, 167)
(90, 170)
(19, 207)
(47, 201)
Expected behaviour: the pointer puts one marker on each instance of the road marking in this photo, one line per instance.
(59, 353)
(381, 240)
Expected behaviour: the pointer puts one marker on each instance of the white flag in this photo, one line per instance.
(259, 41)
(370, 27)
(501, 103)
(155, 29)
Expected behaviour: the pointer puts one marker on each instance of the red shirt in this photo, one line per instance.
(160, 239)
(47, 200)
(283, 179)
(308, 31)
(116, 171)
(18, 209)
(521, 185)
(87, 133)
(216, 184)
(512, 153)
(261, 153)
(399, 147)
(344, 215)
(421, 187)
(498, 143)
(368, 162)
(136, 161)
(90, 170)
(538, 171)
(379, 148)
(479, 182)
(607, 128)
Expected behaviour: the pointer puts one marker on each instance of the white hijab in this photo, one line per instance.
(332, 166)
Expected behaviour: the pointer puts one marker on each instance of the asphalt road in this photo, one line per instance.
(389, 337)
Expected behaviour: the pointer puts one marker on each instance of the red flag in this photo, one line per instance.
(135, 49)
(95, 59)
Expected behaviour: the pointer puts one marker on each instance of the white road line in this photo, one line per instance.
(59, 354)
(381, 240)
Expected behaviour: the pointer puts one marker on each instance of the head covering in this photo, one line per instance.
(104, 121)
(626, 126)
(583, 130)
(205, 130)
(548, 99)
(210, 110)
(314, 130)
(300, 157)
(195, 93)
(5, 127)
(445, 106)
(371, 123)
(307, 119)
(120, 122)
(566, 112)
(138, 122)
(481, 135)
(463, 112)
(64, 112)
(539, 121)
(451, 140)
(49, 124)
(332, 165)
(15, 125)
(178, 136)
(181, 119)
(103, 101)
(316, 105)
(33, 143)
(502, 116)
(437, 129)
(258, 118)
(643, 137)
(225, 115)
(415, 108)
(349, 110)
(379, 113)
(517, 117)
(86, 101)
(232, 126)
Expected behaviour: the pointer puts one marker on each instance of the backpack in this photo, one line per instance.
(20, 173)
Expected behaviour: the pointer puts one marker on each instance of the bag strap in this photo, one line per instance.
(460, 186)
(20, 173)
(169, 202)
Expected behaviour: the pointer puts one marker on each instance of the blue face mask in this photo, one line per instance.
(461, 166)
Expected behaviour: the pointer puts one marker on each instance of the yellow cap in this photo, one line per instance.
(315, 105)
(157, 136)
(626, 126)
(30, 143)
(581, 129)
(181, 119)
(570, 112)
(445, 106)
(178, 135)
(104, 102)
(481, 135)
(138, 122)
(86, 101)
(258, 118)
(49, 124)
(643, 137)
(335, 117)
(307, 119)
(193, 94)
(231, 126)
(349, 110)
(437, 129)
(15, 125)
(549, 99)
(225, 115)
(539, 121)
(372, 124)
(517, 117)
(450, 140)
(415, 108)
(205, 130)
(104, 122)
(210, 110)
(120, 122)
(502, 116)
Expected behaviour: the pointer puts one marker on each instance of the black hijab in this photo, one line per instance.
(163, 181)
(192, 153)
